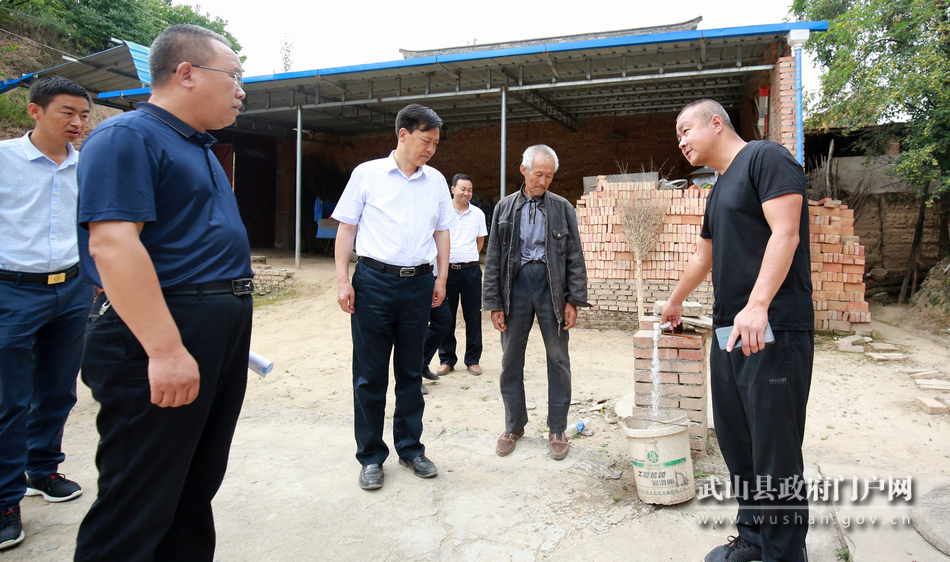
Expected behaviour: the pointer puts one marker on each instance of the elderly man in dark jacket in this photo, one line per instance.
(535, 266)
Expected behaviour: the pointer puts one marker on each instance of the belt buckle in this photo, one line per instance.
(407, 271)
(242, 287)
(455, 266)
(55, 278)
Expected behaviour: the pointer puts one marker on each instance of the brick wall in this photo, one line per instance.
(610, 263)
(683, 367)
(649, 141)
(781, 126)
(886, 227)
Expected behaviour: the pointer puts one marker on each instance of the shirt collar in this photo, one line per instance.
(392, 165)
(182, 128)
(468, 209)
(33, 153)
(523, 197)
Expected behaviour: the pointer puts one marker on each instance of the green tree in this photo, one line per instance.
(888, 61)
(93, 23)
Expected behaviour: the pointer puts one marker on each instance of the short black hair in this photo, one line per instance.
(457, 177)
(177, 44)
(44, 90)
(415, 117)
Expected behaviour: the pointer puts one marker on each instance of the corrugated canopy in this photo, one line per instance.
(561, 81)
(119, 68)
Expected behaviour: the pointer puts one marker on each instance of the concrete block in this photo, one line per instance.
(887, 356)
(930, 405)
(690, 308)
(851, 348)
(880, 346)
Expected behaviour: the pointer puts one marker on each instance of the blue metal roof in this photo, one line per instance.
(396, 65)
(123, 66)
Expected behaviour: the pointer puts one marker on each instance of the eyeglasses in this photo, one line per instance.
(238, 77)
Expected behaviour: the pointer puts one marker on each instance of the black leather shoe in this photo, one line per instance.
(428, 374)
(371, 477)
(421, 466)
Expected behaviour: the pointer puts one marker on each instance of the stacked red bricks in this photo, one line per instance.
(683, 366)
(611, 269)
(837, 269)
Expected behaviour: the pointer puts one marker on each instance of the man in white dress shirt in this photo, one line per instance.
(43, 304)
(464, 284)
(402, 211)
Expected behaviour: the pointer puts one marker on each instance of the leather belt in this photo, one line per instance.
(463, 265)
(396, 270)
(534, 261)
(43, 278)
(243, 286)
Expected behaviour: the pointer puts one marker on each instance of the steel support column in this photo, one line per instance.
(299, 184)
(504, 136)
(799, 122)
(796, 39)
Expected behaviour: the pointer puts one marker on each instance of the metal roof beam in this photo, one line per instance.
(466, 94)
(553, 66)
(546, 107)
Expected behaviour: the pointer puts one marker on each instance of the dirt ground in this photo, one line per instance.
(291, 491)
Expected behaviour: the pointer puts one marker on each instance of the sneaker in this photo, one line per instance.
(11, 528)
(54, 488)
(735, 551)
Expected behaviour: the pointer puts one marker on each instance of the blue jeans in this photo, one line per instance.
(41, 336)
(463, 285)
(391, 317)
(530, 296)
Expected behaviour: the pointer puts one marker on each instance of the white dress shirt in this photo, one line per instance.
(396, 215)
(464, 236)
(37, 209)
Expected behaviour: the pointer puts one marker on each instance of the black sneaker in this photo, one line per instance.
(54, 488)
(735, 551)
(11, 528)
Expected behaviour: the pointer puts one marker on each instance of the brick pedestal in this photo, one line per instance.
(684, 362)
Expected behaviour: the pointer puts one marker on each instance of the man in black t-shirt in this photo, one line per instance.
(755, 241)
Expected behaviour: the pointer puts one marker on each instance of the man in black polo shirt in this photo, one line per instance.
(755, 240)
(167, 343)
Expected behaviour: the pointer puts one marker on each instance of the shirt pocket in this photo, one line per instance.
(504, 233)
(560, 239)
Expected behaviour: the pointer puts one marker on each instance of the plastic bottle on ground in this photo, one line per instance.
(577, 427)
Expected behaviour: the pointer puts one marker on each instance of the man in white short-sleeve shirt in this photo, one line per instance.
(401, 210)
(464, 284)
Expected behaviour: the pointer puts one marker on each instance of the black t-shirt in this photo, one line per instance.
(736, 225)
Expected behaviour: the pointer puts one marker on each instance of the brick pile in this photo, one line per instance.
(266, 278)
(611, 269)
(683, 367)
(837, 269)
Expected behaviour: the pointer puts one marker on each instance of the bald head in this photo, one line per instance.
(705, 109)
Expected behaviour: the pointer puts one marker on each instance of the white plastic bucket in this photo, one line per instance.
(662, 462)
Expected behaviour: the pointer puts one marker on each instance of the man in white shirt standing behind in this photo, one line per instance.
(402, 210)
(43, 304)
(464, 284)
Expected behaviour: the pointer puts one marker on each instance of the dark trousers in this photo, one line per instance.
(530, 296)
(440, 321)
(392, 314)
(759, 410)
(41, 333)
(463, 285)
(159, 468)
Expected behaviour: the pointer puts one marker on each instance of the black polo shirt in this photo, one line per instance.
(147, 166)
